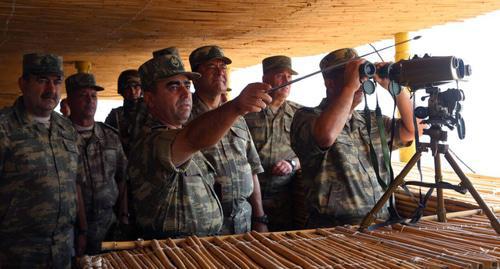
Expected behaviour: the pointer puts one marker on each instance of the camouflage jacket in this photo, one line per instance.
(167, 199)
(121, 118)
(271, 135)
(37, 183)
(341, 179)
(236, 161)
(104, 167)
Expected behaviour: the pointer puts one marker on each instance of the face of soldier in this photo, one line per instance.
(171, 101)
(276, 78)
(213, 77)
(335, 86)
(41, 94)
(133, 90)
(83, 103)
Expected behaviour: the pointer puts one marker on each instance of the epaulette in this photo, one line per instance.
(107, 126)
(295, 105)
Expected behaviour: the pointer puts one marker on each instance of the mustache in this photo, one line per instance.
(46, 95)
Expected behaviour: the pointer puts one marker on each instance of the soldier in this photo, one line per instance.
(270, 131)
(39, 164)
(331, 141)
(64, 108)
(129, 87)
(172, 182)
(103, 177)
(234, 157)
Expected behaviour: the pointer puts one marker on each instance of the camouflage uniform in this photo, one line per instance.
(104, 168)
(171, 201)
(121, 119)
(342, 183)
(37, 190)
(271, 135)
(236, 161)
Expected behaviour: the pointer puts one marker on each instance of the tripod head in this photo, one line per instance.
(443, 109)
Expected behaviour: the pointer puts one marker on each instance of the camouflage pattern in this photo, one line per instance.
(166, 51)
(206, 53)
(276, 63)
(336, 57)
(235, 160)
(163, 66)
(171, 201)
(121, 118)
(42, 64)
(104, 168)
(271, 135)
(342, 183)
(80, 81)
(37, 190)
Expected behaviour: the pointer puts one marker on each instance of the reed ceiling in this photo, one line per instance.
(120, 34)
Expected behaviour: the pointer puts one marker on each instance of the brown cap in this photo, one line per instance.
(277, 62)
(206, 53)
(42, 64)
(163, 66)
(80, 81)
(337, 57)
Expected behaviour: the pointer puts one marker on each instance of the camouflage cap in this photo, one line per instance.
(163, 66)
(42, 64)
(337, 57)
(206, 53)
(126, 78)
(169, 50)
(80, 81)
(277, 62)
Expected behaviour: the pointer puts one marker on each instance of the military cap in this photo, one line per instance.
(127, 78)
(206, 53)
(80, 81)
(42, 64)
(169, 50)
(163, 66)
(337, 57)
(277, 62)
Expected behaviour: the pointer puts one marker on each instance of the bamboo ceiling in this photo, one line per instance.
(119, 34)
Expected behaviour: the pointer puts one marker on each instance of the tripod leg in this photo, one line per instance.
(438, 176)
(466, 182)
(370, 217)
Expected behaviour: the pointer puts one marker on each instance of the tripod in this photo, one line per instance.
(437, 135)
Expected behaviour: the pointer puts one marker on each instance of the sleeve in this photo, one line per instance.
(397, 143)
(121, 164)
(253, 157)
(111, 119)
(162, 150)
(301, 138)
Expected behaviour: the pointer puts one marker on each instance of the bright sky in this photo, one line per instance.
(476, 41)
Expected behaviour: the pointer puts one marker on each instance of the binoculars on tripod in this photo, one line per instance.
(416, 73)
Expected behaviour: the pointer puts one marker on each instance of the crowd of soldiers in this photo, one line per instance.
(172, 163)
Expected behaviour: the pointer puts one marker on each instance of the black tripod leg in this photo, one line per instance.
(466, 182)
(370, 217)
(438, 176)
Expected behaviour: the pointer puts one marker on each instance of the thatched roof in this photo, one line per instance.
(120, 34)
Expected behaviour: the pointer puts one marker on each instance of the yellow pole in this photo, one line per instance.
(83, 66)
(228, 83)
(402, 53)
